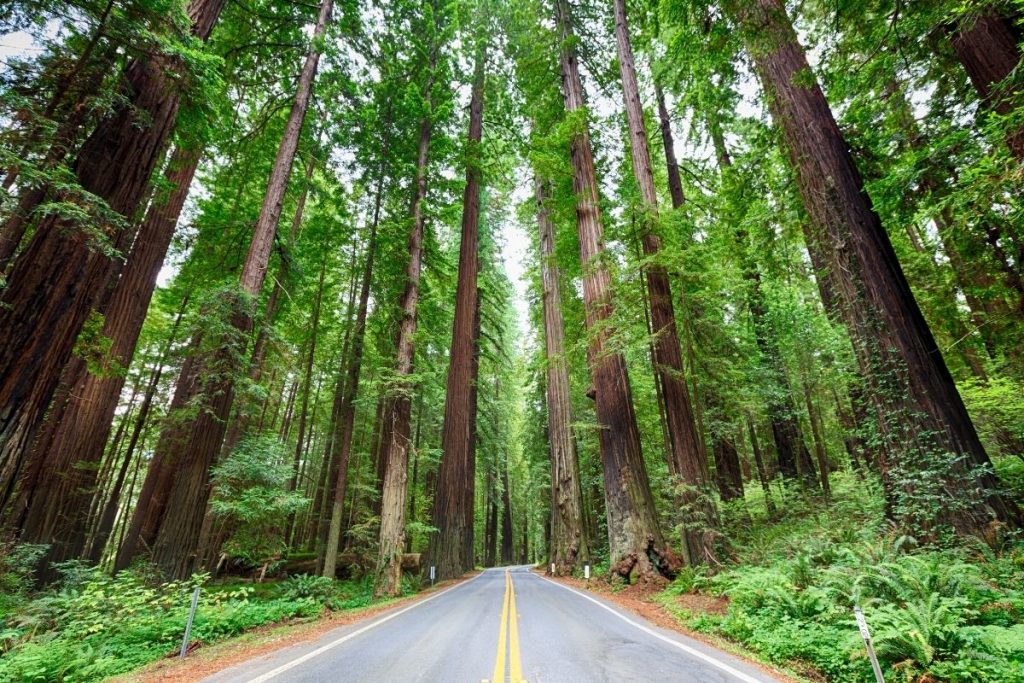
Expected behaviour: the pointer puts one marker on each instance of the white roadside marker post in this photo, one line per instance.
(862, 624)
(188, 624)
(433, 573)
(552, 569)
(586, 572)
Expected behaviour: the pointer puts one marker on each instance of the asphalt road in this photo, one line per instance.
(502, 625)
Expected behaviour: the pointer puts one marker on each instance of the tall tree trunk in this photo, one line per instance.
(57, 513)
(398, 403)
(568, 540)
(789, 443)
(301, 446)
(921, 415)
(491, 521)
(451, 549)
(688, 460)
(814, 418)
(346, 411)
(506, 513)
(241, 424)
(675, 183)
(988, 45)
(762, 473)
(178, 535)
(398, 408)
(59, 275)
(637, 547)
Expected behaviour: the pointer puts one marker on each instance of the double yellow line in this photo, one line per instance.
(508, 637)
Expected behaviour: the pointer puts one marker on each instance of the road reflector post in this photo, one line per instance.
(433, 574)
(586, 572)
(862, 624)
(188, 624)
(552, 569)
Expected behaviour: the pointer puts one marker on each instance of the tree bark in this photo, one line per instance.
(988, 46)
(398, 403)
(57, 514)
(58, 277)
(688, 460)
(346, 411)
(451, 550)
(919, 409)
(568, 544)
(637, 547)
(176, 542)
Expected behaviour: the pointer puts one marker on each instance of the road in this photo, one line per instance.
(507, 625)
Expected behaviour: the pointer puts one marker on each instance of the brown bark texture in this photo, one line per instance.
(397, 415)
(988, 45)
(917, 405)
(59, 275)
(451, 549)
(637, 547)
(568, 542)
(177, 539)
(60, 497)
(688, 460)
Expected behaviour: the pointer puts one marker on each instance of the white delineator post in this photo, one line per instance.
(188, 624)
(433, 573)
(862, 624)
(586, 572)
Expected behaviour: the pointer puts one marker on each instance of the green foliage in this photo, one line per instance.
(935, 614)
(253, 501)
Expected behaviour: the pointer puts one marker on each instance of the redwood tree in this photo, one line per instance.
(57, 278)
(568, 544)
(929, 435)
(451, 549)
(637, 547)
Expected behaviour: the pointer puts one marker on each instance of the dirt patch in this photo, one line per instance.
(703, 604)
(639, 599)
(204, 661)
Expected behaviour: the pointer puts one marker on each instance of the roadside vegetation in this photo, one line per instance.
(90, 626)
(936, 612)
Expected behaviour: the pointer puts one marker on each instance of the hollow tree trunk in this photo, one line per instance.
(451, 548)
(920, 413)
(637, 547)
(688, 460)
(58, 276)
(568, 541)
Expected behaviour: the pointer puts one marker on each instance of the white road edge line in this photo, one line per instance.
(334, 643)
(685, 648)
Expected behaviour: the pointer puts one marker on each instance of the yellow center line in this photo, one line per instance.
(508, 637)
(499, 664)
(515, 667)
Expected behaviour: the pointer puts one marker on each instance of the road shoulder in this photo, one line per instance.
(641, 605)
(264, 640)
